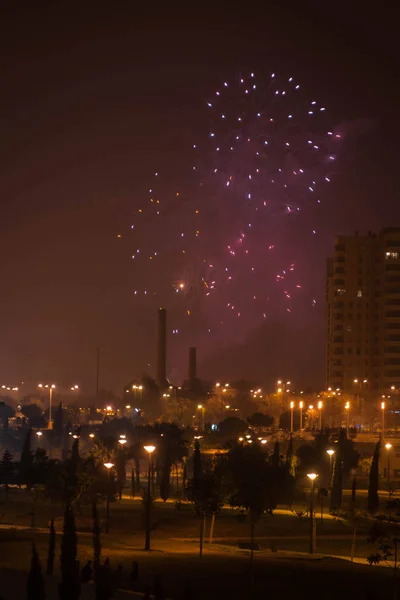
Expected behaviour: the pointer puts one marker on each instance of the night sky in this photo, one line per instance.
(92, 105)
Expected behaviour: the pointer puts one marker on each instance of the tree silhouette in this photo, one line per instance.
(69, 587)
(25, 471)
(35, 584)
(51, 549)
(373, 483)
(96, 537)
(259, 419)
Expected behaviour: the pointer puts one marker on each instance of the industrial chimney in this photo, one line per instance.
(192, 375)
(161, 374)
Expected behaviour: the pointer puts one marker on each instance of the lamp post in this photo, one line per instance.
(201, 409)
(50, 387)
(330, 452)
(149, 450)
(108, 466)
(383, 406)
(347, 409)
(291, 416)
(320, 407)
(301, 415)
(388, 448)
(312, 477)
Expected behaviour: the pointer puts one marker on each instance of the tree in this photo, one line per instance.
(6, 470)
(165, 480)
(121, 470)
(51, 549)
(69, 587)
(337, 483)
(197, 471)
(204, 490)
(96, 537)
(25, 471)
(232, 427)
(133, 487)
(387, 533)
(35, 415)
(289, 456)
(58, 422)
(259, 419)
(373, 483)
(35, 584)
(276, 457)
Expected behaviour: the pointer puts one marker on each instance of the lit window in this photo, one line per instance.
(340, 292)
(392, 255)
(359, 293)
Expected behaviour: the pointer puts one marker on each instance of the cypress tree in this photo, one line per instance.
(58, 422)
(133, 483)
(165, 481)
(337, 483)
(69, 587)
(121, 470)
(51, 550)
(196, 462)
(353, 491)
(289, 456)
(25, 471)
(96, 537)
(35, 584)
(373, 483)
(275, 458)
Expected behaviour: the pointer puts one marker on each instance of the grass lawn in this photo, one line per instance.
(223, 572)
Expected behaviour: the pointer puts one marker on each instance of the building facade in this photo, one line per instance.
(363, 313)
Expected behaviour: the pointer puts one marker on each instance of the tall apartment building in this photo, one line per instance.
(363, 313)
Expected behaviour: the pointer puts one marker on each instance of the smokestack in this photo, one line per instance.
(161, 374)
(192, 365)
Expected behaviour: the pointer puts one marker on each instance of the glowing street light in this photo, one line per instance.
(330, 452)
(320, 407)
(149, 449)
(388, 448)
(91, 435)
(122, 441)
(108, 466)
(383, 406)
(201, 409)
(301, 404)
(312, 477)
(50, 387)
(347, 409)
(291, 416)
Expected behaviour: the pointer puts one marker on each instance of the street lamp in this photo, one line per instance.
(91, 435)
(149, 450)
(201, 408)
(50, 387)
(388, 448)
(108, 466)
(320, 407)
(331, 453)
(383, 406)
(312, 477)
(122, 441)
(291, 416)
(347, 409)
(301, 404)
